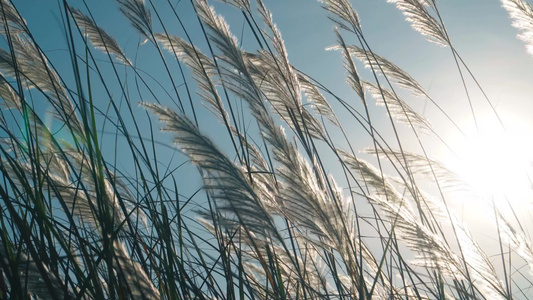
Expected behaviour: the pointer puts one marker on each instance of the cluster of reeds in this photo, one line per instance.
(95, 206)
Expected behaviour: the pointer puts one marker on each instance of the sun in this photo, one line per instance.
(497, 163)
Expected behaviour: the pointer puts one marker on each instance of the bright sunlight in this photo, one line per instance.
(497, 163)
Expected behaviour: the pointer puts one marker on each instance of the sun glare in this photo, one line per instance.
(498, 163)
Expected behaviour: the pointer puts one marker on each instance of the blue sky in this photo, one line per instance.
(480, 30)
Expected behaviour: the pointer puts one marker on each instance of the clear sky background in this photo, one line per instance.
(480, 30)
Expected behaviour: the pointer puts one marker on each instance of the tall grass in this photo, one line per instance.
(98, 204)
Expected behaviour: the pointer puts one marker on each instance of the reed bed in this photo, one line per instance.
(264, 183)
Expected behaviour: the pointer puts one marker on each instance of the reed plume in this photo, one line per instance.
(263, 191)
